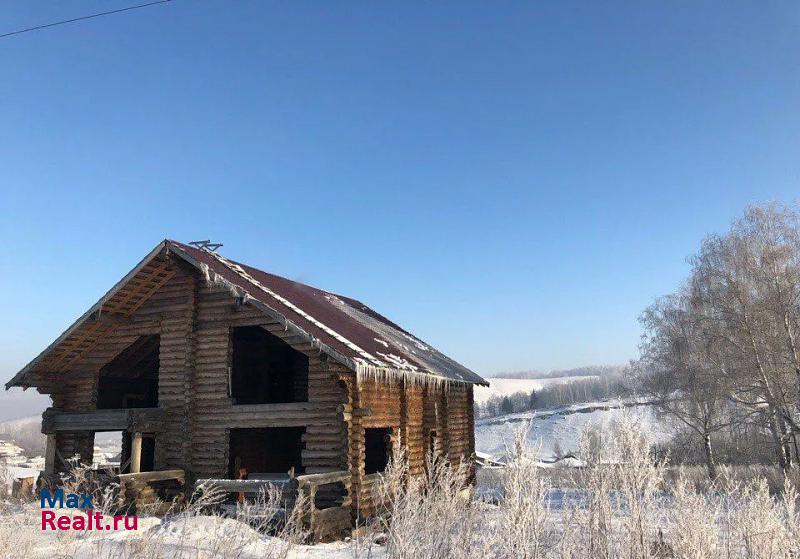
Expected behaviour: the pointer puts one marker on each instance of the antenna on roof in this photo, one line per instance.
(206, 245)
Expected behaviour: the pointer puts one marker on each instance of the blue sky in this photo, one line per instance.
(512, 182)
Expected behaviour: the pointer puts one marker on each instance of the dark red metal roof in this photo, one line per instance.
(346, 325)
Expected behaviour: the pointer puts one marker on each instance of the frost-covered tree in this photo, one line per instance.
(682, 368)
(732, 332)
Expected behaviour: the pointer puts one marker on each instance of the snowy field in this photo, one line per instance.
(561, 427)
(508, 386)
(634, 509)
(191, 537)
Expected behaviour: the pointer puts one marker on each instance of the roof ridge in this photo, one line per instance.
(262, 271)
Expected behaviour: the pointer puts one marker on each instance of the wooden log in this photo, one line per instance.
(241, 485)
(50, 455)
(143, 419)
(159, 475)
(324, 478)
(136, 453)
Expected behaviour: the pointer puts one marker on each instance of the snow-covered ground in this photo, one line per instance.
(508, 386)
(15, 465)
(182, 537)
(560, 427)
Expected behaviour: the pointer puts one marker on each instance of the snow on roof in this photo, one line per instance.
(374, 344)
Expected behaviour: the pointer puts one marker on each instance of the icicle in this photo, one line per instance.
(366, 372)
(367, 366)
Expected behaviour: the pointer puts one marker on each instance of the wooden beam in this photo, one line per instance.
(50, 455)
(324, 478)
(158, 475)
(242, 485)
(84, 339)
(145, 420)
(136, 453)
(112, 319)
(139, 289)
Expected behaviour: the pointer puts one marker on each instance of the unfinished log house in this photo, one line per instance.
(215, 368)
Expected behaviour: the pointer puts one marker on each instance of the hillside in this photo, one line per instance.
(561, 427)
(20, 423)
(508, 386)
(586, 371)
(25, 432)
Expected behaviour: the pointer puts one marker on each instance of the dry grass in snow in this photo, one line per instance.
(622, 504)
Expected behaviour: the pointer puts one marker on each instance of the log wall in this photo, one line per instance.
(214, 414)
(412, 412)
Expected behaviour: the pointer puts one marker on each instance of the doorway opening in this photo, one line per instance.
(147, 461)
(271, 450)
(377, 449)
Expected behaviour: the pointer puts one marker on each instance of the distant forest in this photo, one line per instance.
(589, 370)
(592, 389)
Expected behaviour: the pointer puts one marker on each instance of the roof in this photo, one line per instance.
(344, 328)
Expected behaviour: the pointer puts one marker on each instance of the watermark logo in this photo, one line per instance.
(58, 513)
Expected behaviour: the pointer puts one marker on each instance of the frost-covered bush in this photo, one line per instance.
(430, 516)
(621, 503)
(523, 527)
(5, 480)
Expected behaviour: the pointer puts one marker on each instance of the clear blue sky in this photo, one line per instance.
(512, 182)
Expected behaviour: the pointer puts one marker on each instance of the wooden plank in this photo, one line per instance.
(140, 289)
(241, 485)
(159, 475)
(324, 478)
(84, 339)
(143, 419)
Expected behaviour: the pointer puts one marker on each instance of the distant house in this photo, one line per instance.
(214, 367)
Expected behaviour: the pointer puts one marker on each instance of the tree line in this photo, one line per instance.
(554, 395)
(721, 355)
(585, 371)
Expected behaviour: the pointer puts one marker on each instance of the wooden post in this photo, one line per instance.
(50, 455)
(136, 453)
(242, 475)
(402, 438)
(471, 427)
(445, 424)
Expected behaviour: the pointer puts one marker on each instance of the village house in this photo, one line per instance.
(223, 371)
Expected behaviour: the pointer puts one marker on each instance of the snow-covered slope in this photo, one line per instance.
(560, 427)
(21, 424)
(26, 432)
(507, 386)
